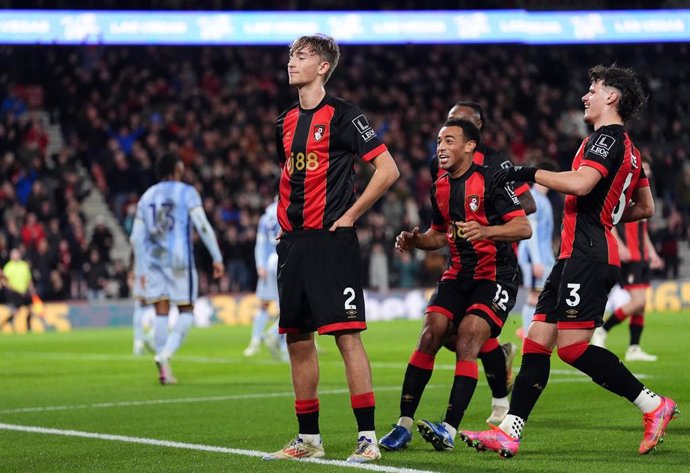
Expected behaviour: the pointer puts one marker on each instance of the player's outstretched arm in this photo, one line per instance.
(579, 183)
(642, 205)
(208, 236)
(384, 176)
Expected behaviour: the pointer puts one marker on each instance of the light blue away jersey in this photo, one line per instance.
(539, 249)
(164, 208)
(266, 235)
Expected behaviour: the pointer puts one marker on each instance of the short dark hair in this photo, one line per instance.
(469, 129)
(165, 166)
(321, 44)
(474, 106)
(625, 80)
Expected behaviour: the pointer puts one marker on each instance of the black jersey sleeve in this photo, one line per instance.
(358, 135)
(506, 202)
(603, 150)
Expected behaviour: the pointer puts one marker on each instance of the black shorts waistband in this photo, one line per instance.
(317, 232)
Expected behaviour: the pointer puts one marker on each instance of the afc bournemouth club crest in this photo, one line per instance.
(319, 131)
(473, 202)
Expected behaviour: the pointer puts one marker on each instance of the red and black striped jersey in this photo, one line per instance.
(472, 196)
(486, 156)
(587, 220)
(633, 236)
(316, 151)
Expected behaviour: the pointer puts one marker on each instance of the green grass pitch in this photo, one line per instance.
(87, 381)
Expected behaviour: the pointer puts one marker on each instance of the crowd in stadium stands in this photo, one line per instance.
(120, 108)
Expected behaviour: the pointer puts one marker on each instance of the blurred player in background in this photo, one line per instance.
(479, 222)
(319, 270)
(535, 256)
(163, 252)
(19, 287)
(638, 258)
(606, 176)
(497, 359)
(142, 316)
(266, 259)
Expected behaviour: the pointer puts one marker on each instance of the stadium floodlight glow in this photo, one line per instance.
(348, 27)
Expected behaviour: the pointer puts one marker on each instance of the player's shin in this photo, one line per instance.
(529, 384)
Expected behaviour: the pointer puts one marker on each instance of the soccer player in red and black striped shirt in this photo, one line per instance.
(606, 176)
(497, 359)
(318, 141)
(638, 257)
(479, 222)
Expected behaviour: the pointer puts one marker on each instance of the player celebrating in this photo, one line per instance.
(478, 221)
(319, 259)
(497, 359)
(162, 243)
(606, 174)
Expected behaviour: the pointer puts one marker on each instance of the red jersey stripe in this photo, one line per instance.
(515, 213)
(593, 164)
(478, 158)
(342, 326)
(315, 181)
(521, 189)
(644, 182)
(374, 152)
(485, 249)
(289, 126)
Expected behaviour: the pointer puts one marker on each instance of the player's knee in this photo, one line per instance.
(431, 339)
(571, 353)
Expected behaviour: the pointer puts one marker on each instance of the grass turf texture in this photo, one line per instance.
(247, 404)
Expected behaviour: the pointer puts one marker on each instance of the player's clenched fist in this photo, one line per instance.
(406, 240)
(472, 231)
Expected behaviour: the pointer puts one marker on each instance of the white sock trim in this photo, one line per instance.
(500, 402)
(406, 422)
(647, 400)
(313, 439)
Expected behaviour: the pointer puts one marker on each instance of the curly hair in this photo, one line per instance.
(632, 96)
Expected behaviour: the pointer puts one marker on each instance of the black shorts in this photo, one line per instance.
(319, 282)
(17, 299)
(636, 274)
(575, 294)
(490, 300)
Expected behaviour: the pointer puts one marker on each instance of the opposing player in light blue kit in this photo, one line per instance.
(266, 259)
(535, 256)
(163, 251)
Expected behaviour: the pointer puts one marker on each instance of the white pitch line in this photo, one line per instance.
(194, 446)
(233, 397)
(220, 360)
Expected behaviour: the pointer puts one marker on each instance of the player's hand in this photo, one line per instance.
(142, 281)
(407, 240)
(279, 235)
(654, 261)
(624, 253)
(261, 272)
(343, 221)
(512, 174)
(472, 231)
(538, 270)
(218, 270)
